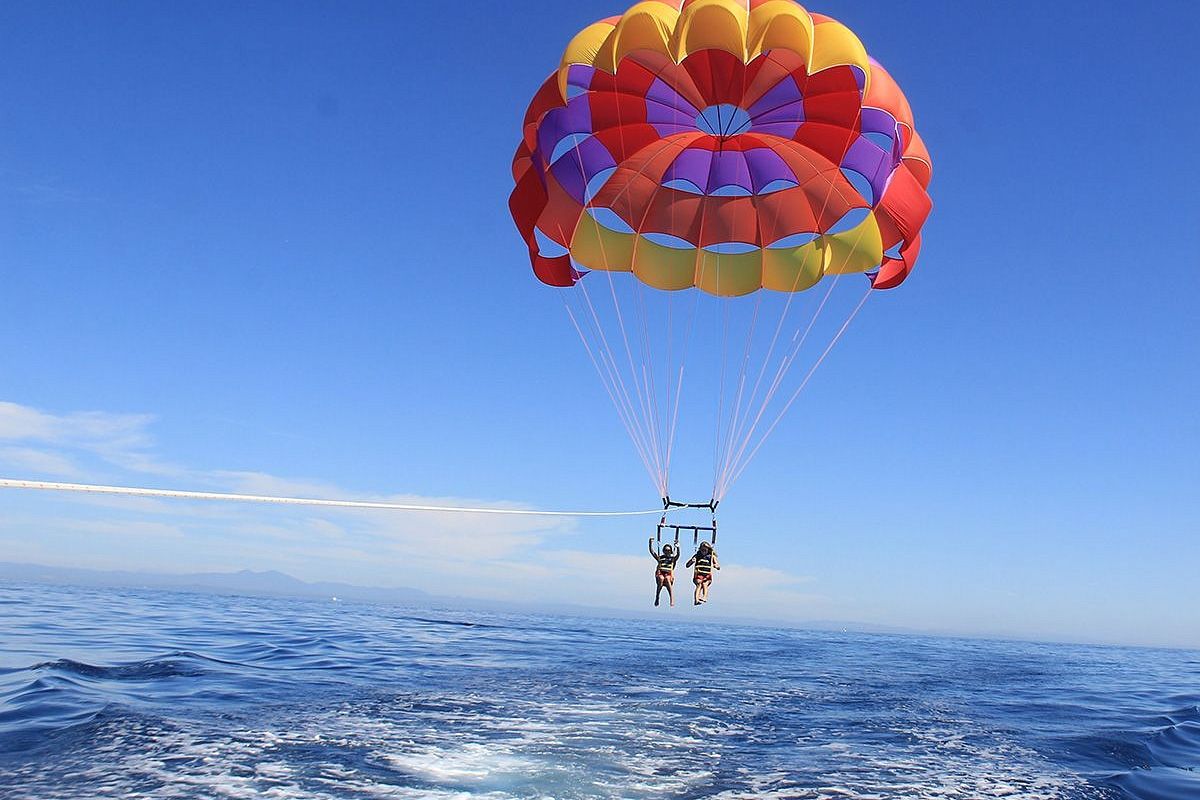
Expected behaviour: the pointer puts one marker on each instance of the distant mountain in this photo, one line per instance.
(270, 584)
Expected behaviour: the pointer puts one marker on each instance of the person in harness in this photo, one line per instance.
(705, 561)
(664, 572)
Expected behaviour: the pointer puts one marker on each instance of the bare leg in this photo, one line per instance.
(671, 590)
(696, 595)
(658, 589)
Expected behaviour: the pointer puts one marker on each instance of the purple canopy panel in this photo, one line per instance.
(580, 76)
(875, 120)
(729, 168)
(692, 165)
(559, 123)
(789, 112)
(860, 76)
(872, 162)
(783, 93)
(661, 92)
(671, 129)
(766, 166)
(784, 130)
(659, 114)
(574, 170)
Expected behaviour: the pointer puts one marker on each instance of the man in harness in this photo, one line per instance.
(664, 572)
(705, 561)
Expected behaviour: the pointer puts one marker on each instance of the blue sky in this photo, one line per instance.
(268, 249)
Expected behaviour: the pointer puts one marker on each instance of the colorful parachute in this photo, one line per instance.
(725, 145)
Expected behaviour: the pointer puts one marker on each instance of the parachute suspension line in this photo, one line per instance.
(720, 418)
(742, 378)
(674, 422)
(132, 491)
(738, 423)
(675, 372)
(660, 409)
(799, 389)
(733, 421)
(747, 427)
(645, 439)
(662, 415)
(640, 439)
(688, 330)
(641, 389)
(670, 354)
(785, 364)
(647, 363)
(609, 388)
(687, 338)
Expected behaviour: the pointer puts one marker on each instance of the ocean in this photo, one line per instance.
(108, 693)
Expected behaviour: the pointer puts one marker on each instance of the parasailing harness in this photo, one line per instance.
(707, 532)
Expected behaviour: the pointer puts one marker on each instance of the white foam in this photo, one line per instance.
(466, 746)
(468, 763)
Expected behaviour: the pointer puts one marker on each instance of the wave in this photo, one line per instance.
(1176, 743)
(454, 622)
(146, 670)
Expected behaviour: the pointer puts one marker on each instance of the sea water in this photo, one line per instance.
(156, 694)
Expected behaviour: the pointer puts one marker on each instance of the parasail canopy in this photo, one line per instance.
(724, 146)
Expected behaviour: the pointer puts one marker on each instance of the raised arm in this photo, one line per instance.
(653, 552)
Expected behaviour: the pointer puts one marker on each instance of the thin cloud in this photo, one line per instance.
(118, 530)
(29, 460)
(494, 557)
(118, 440)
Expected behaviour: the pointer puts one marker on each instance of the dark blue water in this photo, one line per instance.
(109, 693)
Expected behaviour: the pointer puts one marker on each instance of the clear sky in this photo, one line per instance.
(267, 248)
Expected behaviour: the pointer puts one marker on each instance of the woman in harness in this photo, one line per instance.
(664, 573)
(705, 561)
